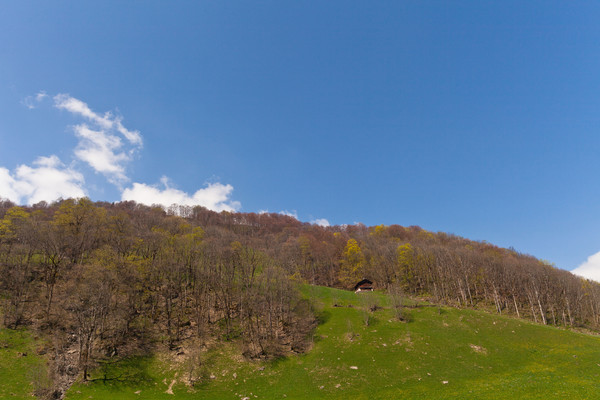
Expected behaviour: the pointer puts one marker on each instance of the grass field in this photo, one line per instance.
(21, 369)
(441, 353)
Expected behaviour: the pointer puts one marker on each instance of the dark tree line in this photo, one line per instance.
(442, 267)
(460, 272)
(111, 280)
(110, 277)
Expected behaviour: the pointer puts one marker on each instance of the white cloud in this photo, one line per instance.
(590, 269)
(100, 146)
(48, 179)
(321, 222)
(293, 213)
(8, 186)
(107, 147)
(31, 102)
(101, 151)
(214, 196)
(106, 121)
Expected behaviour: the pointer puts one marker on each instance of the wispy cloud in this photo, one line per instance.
(590, 269)
(100, 146)
(321, 222)
(101, 151)
(215, 196)
(293, 213)
(48, 179)
(107, 147)
(32, 102)
(107, 121)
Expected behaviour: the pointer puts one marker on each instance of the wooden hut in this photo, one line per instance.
(363, 286)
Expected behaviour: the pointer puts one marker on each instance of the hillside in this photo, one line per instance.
(480, 356)
(102, 284)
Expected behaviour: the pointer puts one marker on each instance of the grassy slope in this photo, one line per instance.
(19, 365)
(481, 356)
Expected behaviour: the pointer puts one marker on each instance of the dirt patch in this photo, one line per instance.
(170, 389)
(478, 349)
(404, 340)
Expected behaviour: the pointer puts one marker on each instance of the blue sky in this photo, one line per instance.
(474, 118)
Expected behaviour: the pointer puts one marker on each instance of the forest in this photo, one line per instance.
(103, 280)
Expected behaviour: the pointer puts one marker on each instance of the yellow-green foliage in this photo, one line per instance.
(352, 265)
(15, 218)
(405, 257)
(378, 230)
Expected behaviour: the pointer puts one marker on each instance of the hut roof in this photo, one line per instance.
(363, 282)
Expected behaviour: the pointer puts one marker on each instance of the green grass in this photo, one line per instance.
(20, 366)
(479, 355)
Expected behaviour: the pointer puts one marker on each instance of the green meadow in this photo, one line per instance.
(437, 353)
(22, 371)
